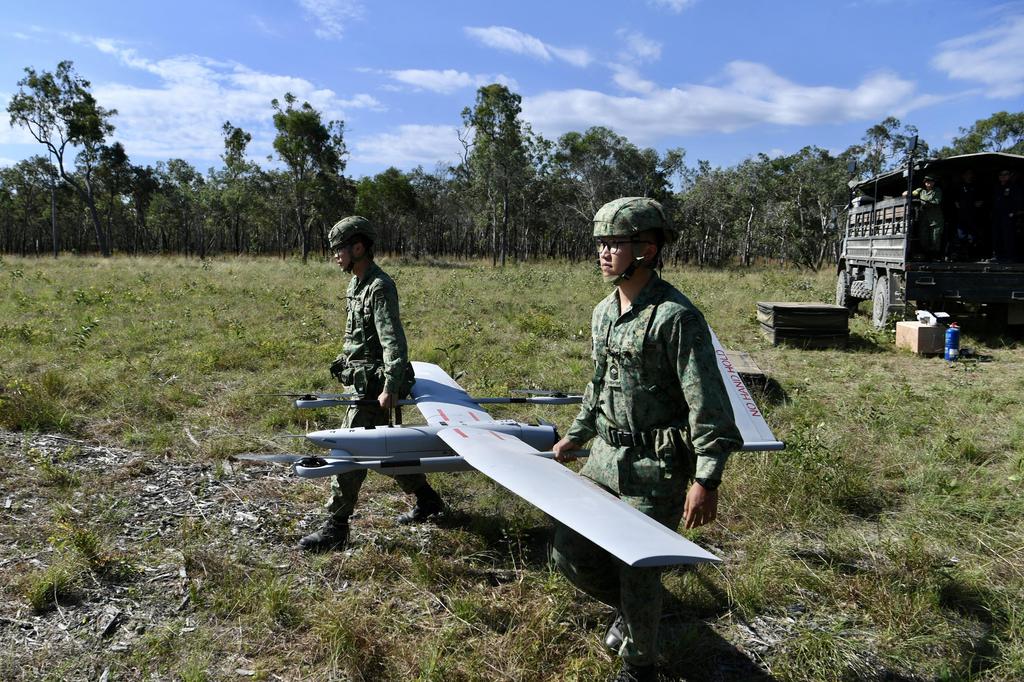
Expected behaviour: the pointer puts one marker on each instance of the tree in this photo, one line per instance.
(236, 182)
(314, 153)
(497, 159)
(59, 112)
(885, 146)
(1000, 132)
(594, 167)
(388, 200)
(112, 181)
(29, 200)
(177, 210)
(815, 188)
(144, 186)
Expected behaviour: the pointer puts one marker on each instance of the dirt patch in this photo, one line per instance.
(140, 509)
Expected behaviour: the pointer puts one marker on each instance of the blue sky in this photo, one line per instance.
(723, 79)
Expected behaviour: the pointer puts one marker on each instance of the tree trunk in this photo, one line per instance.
(53, 220)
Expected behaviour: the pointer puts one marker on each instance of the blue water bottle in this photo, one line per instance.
(952, 342)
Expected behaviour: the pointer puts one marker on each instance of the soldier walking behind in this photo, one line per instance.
(660, 416)
(374, 363)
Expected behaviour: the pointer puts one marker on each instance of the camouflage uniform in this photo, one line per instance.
(376, 357)
(931, 220)
(656, 380)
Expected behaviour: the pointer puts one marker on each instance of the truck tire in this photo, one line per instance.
(880, 303)
(843, 296)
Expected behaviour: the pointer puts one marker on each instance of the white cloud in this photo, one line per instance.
(511, 40)
(994, 58)
(676, 6)
(750, 94)
(629, 79)
(638, 47)
(409, 146)
(447, 81)
(263, 26)
(182, 115)
(332, 16)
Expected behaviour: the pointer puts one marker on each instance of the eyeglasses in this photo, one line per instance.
(615, 245)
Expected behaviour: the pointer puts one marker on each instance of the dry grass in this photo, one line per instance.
(885, 543)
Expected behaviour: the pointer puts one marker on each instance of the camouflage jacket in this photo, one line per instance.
(375, 349)
(931, 205)
(655, 374)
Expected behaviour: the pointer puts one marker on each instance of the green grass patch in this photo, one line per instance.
(885, 541)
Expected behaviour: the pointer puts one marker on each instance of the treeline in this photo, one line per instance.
(513, 194)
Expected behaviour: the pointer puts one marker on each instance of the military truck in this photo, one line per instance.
(883, 260)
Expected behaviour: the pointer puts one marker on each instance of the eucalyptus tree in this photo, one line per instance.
(28, 207)
(144, 186)
(818, 191)
(177, 210)
(61, 114)
(709, 208)
(497, 160)
(445, 217)
(885, 145)
(236, 186)
(112, 181)
(314, 154)
(591, 168)
(1000, 132)
(388, 199)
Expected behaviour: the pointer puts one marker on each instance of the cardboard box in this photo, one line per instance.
(922, 339)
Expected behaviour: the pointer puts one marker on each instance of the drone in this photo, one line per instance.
(460, 436)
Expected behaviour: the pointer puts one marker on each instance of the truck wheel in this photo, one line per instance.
(843, 296)
(880, 303)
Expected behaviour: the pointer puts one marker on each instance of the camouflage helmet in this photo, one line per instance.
(627, 216)
(346, 228)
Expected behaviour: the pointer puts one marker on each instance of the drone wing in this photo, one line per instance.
(441, 401)
(757, 435)
(599, 516)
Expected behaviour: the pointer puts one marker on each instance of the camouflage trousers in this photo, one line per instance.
(635, 592)
(931, 237)
(345, 487)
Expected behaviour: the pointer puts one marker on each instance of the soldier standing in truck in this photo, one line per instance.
(930, 220)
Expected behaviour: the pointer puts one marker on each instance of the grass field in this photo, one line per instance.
(885, 543)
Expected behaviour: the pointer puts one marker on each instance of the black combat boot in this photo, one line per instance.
(333, 535)
(613, 638)
(428, 503)
(635, 673)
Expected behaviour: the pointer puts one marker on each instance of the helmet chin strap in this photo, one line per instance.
(353, 261)
(625, 274)
(636, 263)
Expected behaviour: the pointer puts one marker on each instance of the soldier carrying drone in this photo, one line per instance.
(374, 363)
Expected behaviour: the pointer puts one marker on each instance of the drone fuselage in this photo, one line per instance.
(407, 449)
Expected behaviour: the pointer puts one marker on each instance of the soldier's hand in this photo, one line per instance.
(701, 506)
(337, 367)
(563, 450)
(387, 400)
